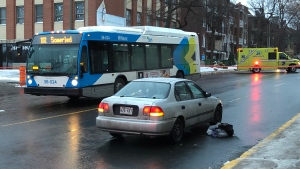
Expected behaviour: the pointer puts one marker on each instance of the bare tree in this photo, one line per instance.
(216, 14)
(285, 10)
(178, 12)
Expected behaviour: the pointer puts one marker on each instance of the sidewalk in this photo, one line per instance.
(279, 150)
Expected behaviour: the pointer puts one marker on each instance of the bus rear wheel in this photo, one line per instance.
(179, 74)
(119, 84)
(256, 70)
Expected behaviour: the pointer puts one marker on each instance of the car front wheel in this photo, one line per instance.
(177, 131)
(217, 115)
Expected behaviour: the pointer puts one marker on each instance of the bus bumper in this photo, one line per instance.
(43, 91)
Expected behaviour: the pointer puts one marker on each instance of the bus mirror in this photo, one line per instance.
(82, 67)
(19, 50)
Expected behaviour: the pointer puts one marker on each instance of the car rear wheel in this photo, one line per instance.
(217, 115)
(177, 131)
(117, 135)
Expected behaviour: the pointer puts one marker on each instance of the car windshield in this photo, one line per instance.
(145, 89)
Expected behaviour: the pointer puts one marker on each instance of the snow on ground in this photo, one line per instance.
(13, 75)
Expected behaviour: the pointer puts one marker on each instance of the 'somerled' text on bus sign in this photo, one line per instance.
(57, 40)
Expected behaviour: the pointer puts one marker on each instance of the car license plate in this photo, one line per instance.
(126, 110)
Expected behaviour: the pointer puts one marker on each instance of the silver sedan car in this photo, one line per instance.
(158, 107)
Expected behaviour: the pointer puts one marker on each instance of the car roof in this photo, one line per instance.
(160, 79)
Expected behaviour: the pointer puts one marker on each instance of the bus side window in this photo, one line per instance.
(83, 60)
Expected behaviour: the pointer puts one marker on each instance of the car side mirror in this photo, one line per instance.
(207, 94)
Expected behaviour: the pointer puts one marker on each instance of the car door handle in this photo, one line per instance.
(199, 104)
(182, 107)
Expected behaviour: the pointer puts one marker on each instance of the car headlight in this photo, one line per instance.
(74, 82)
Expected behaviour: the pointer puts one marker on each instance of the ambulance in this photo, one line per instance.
(257, 59)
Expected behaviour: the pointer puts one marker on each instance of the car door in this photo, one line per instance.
(204, 107)
(186, 103)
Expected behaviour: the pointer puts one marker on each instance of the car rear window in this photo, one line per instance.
(153, 90)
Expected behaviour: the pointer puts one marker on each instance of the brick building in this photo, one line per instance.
(21, 19)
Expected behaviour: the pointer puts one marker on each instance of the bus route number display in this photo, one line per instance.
(57, 39)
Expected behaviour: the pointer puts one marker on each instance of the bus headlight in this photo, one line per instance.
(29, 81)
(74, 82)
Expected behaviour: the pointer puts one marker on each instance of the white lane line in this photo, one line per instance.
(279, 85)
(2, 111)
(234, 100)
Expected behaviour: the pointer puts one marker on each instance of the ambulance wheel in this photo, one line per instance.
(292, 69)
(256, 70)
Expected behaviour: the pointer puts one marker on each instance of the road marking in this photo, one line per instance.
(279, 85)
(245, 155)
(1, 111)
(234, 100)
(51, 117)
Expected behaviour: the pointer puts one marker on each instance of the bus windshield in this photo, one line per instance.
(53, 59)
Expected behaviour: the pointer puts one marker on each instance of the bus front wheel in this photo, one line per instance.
(119, 84)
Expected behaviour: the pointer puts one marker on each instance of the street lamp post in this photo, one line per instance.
(269, 30)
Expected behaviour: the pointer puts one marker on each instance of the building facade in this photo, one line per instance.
(21, 19)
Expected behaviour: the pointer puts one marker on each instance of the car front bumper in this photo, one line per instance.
(135, 126)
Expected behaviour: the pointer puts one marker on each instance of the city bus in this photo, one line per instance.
(97, 61)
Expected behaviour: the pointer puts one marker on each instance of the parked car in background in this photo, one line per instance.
(158, 107)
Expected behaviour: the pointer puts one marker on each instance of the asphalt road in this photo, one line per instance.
(53, 132)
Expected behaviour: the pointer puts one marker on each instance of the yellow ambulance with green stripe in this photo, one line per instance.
(257, 59)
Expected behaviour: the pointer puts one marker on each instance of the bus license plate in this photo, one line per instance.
(126, 110)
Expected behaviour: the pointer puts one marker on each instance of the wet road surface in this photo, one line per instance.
(54, 132)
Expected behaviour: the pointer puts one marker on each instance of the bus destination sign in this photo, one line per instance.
(57, 39)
